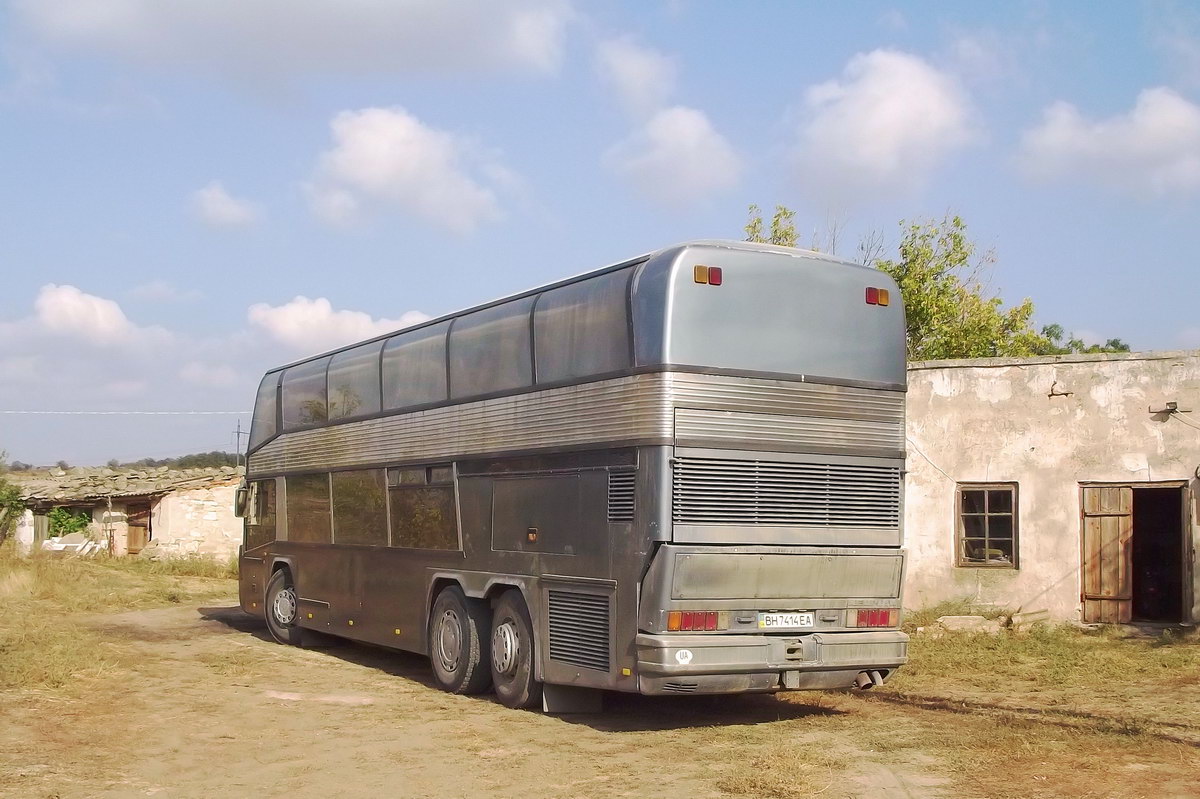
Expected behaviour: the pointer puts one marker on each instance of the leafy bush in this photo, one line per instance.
(64, 521)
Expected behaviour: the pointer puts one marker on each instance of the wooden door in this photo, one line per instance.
(1107, 554)
(138, 519)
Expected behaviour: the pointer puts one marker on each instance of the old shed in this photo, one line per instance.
(168, 511)
(1065, 484)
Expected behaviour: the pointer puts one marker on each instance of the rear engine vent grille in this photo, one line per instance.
(579, 629)
(620, 496)
(746, 492)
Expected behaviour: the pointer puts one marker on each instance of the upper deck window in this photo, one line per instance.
(304, 394)
(263, 427)
(489, 350)
(583, 329)
(354, 382)
(414, 367)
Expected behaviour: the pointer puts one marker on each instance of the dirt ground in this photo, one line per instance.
(203, 704)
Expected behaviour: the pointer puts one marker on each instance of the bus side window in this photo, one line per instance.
(260, 520)
(308, 511)
(424, 514)
(489, 350)
(582, 329)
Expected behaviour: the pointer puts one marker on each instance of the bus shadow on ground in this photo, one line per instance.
(622, 712)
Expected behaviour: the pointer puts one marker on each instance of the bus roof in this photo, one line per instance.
(667, 254)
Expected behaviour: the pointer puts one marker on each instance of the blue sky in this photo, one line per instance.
(195, 191)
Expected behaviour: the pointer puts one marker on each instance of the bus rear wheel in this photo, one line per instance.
(283, 609)
(457, 630)
(512, 653)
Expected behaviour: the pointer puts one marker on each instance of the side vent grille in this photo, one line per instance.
(579, 629)
(620, 496)
(750, 492)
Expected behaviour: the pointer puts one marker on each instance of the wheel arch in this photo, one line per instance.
(489, 587)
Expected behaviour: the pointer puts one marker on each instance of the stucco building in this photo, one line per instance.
(1065, 484)
(167, 511)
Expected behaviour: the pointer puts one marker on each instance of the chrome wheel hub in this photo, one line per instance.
(449, 641)
(284, 606)
(506, 646)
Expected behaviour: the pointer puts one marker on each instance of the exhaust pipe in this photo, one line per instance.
(867, 680)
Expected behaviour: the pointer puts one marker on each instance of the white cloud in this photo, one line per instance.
(313, 325)
(261, 39)
(643, 78)
(67, 311)
(888, 122)
(215, 206)
(677, 158)
(386, 156)
(1153, 150)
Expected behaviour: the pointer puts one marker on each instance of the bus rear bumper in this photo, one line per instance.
(717, 664)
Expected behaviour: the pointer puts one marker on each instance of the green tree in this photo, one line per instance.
(783, 227)
(1055, 335)
(949, 312)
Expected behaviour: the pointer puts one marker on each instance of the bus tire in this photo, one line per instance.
(283, 609)
(513, 653)
(457, 650)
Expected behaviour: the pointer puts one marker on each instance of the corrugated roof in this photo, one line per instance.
(83, 485)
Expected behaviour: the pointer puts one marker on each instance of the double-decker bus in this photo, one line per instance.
(681, 474)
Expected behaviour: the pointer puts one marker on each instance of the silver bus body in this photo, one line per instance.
(740, 469)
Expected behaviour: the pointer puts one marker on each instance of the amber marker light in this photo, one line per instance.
(884, 297)
(700, 273)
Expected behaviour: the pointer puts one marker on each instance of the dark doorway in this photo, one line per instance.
(1158, 554)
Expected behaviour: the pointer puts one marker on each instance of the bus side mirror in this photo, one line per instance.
(241, 499)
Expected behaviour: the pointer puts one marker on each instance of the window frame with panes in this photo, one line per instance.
(978, 509)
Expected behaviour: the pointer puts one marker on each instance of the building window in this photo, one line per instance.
(987, 525)
(424, 513)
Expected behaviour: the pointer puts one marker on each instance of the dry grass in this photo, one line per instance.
(43, 644)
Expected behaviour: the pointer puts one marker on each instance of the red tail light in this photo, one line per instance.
(873, 617)
(697, 620)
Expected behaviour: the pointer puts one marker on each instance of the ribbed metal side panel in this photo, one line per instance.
(753, 430)
(593, 413)
(621, 489)
(759, 492)
(640, 408)
(785, 397)
(579, 629)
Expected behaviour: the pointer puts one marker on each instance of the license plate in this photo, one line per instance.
(782, 621)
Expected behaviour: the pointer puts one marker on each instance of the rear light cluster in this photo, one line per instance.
(697, 620)
(877, 296)
(873, 617)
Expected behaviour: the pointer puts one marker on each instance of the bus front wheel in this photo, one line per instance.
(512, 653)
(457, 630)
(283, 609)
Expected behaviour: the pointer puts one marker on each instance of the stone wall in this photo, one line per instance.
(196, 521)
(1047, 424)
(108, 521)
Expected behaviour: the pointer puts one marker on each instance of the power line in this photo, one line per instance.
(131, 413)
